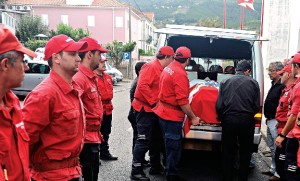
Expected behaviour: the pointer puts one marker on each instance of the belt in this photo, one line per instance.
(56, 164)
(169, 105)
(92, 128)
(106, 101)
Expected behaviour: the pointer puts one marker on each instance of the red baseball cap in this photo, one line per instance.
(92, 44)
(183, 52)
(60, 43)
(9, 42)
(296, 58)
(287, 68)
(166, 50)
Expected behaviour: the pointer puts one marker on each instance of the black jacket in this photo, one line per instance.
(272, 99)
(239, 94)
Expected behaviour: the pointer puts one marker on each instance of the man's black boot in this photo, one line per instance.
(108, 157)
(141, 177)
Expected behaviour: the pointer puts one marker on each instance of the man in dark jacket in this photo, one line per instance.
(270, 107)
(236, 113)
(131, 116)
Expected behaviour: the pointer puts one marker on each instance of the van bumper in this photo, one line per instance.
(205, 140)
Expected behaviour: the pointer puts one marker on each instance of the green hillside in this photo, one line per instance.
(189, 12)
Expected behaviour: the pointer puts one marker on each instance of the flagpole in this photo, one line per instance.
(242, 18)
(262, 17)
(224, 16)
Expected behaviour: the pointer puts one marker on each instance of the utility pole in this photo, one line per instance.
(129, 29)
(224, 15)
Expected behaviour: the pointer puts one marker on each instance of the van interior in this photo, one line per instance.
(211, 60)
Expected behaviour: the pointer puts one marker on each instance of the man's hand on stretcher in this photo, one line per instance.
(196, 121)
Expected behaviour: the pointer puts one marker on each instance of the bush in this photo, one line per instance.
(75, 34)
(34, 44)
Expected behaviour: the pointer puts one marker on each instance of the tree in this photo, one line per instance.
(34, 44)
(75, 34)
(2, 1)
(117, 49)
(213, 22)
(148, 53)
(29, 26)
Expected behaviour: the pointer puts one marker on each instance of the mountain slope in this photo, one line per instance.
(189, 12)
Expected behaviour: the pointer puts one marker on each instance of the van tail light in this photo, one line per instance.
(258, 117)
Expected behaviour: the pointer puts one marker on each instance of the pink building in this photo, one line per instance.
(106, 20)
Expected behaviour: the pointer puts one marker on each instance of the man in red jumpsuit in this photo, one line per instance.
(281, 116)
(173, 104)
(149, 132)
(14, 156)
(54, 116)
(105, 86)
(292, 170)
(87, 80)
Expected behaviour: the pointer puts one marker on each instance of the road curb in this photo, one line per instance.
(263, 147)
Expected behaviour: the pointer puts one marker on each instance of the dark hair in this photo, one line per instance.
(295, 63)
(11, 55)
(138, 67)
(243, 66)
(82, 54)
(50, 60)
(181, 60)
(160, 56)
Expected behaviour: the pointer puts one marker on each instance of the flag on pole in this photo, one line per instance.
(246, 3)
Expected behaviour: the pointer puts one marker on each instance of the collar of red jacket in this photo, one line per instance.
(61, 83)
(86, 71)
(178, 64)
(158, 65)
(11, 100)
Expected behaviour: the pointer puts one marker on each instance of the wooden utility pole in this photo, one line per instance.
(224, 15)
(129, 29)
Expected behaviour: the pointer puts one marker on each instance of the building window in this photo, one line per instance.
(45, 19)
(91, 21)
(119, 22)
(64, 19)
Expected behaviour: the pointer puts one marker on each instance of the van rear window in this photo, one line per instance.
(37, 68)
(221, 48)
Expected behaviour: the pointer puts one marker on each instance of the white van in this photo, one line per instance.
(215, 51)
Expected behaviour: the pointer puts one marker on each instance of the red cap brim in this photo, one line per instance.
(280, 72)
(76, 46)
(26, 51)
(103, 50)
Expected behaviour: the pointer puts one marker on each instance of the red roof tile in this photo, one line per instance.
(150, 15)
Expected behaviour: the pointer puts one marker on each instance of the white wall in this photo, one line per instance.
(282, 29)
(294, 41)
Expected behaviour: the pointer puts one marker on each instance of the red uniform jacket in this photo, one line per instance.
(283, 107)
(294, 102)
(105, 86)
(53, 116)
(173, 92)
(146, 93)
(87, 81)
(14, 140)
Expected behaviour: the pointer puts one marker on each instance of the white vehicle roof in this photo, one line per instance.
(209, 32)
(38, 61)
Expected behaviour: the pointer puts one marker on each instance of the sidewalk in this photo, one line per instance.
(263, 144)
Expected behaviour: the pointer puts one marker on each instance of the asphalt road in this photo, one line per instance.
(195, 165)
